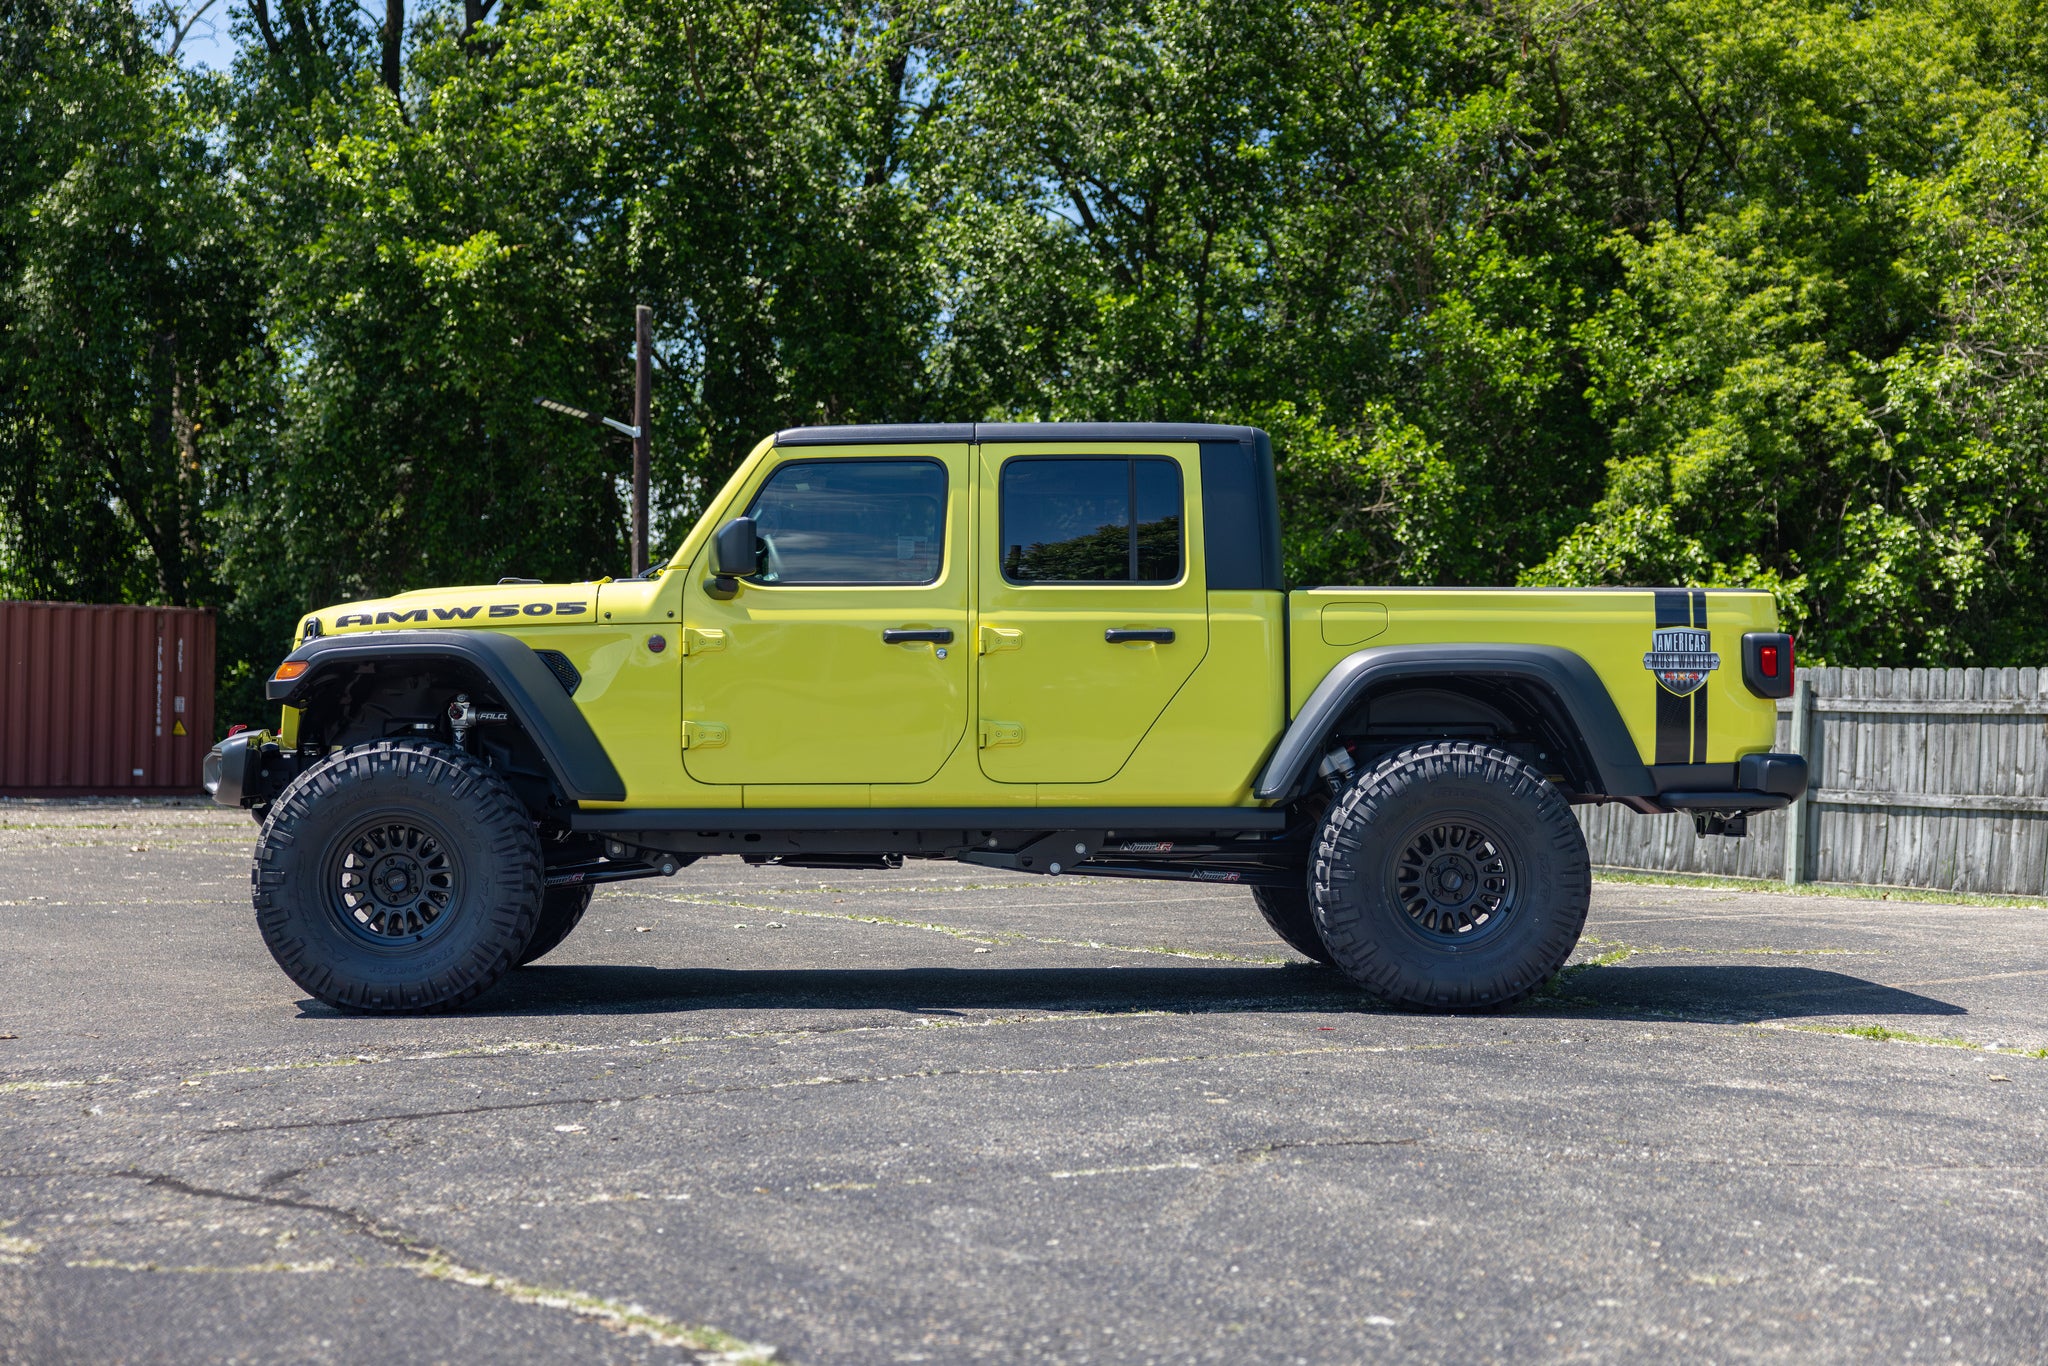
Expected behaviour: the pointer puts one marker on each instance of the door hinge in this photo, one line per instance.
(703, 734)
(994, 638)
(997, 734)
(702, 642)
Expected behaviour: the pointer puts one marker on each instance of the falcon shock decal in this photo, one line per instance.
(1680, 659)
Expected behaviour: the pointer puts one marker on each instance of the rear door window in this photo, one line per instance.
(1091, 519)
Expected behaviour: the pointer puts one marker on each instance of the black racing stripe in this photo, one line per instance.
(1699, 698)
(1699, 725)
(1674, 727)
(1674, 713)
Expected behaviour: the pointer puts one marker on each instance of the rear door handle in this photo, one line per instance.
(908, 636)
(1118, 636)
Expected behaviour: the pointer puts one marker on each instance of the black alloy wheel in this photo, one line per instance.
(394, 880)
(1456, 880)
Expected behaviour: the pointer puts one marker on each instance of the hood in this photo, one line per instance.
(497, 604)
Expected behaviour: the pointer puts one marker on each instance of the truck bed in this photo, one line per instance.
(1610, 627)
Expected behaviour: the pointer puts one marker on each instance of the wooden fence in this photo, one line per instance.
(1919, 778)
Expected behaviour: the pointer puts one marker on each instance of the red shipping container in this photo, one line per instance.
(99, 700)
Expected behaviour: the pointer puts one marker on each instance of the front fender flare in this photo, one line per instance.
(1566, 676)
(533, 695)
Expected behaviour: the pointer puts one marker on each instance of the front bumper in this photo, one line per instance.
(248, 769)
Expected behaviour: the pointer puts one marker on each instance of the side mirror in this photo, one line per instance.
(734, 549)
(734, 555)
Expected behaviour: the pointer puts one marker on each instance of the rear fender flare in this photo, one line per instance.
(532, 694)
(1580, 695)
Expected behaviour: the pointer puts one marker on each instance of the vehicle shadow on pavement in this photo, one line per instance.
(1733, 991)
(1704, 992)
(588, 989)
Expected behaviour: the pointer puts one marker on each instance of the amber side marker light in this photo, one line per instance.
(289, 670)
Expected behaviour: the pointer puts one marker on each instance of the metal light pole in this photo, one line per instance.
(643, 399)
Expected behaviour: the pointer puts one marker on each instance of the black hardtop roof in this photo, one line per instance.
(908, 433)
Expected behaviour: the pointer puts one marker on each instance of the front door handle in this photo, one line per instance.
(909, 636)
(1118, 636)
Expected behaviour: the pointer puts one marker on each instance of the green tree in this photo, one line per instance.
(1805, 371)
(1628, 291)
(126, 312)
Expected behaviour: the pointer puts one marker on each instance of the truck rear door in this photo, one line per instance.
(1091, 606)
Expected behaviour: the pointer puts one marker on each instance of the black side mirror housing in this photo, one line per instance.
(735, 554)
(734, 550)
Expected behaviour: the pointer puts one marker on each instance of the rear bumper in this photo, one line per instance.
(1756, 782)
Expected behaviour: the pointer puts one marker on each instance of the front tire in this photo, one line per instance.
(397, 877)
(1450, 876)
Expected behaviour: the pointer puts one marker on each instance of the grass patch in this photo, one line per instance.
(1755, 950)
(1553, 991)
(711, 1346)
(1878, 1033)
(1851, 891)
(1886, 1034)
(253, 1269)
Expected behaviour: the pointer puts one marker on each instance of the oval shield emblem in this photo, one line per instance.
(1681, 659)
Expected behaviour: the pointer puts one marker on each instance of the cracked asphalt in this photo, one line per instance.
(949, 1115)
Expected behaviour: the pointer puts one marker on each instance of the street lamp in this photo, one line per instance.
(592, 418)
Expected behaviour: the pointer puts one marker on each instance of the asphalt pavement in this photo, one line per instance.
(951, 1115)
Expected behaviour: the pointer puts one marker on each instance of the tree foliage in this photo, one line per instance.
(1608, 291)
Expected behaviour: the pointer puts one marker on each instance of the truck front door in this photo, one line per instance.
(845, 658)
(1092, 610)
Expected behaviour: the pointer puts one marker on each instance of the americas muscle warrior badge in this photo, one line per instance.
(1681, 659)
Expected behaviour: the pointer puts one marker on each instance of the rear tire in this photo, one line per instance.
(1450, 876)
(1288, 911)
(561, 910)
(397, 877)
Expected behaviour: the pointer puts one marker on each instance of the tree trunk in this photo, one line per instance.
(394, 33)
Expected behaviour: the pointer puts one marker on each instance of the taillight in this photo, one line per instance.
(1767, 663)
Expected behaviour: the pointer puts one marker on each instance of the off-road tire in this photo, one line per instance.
(434, 828)
(1420, 829)
(561, 910)
(1287, 910)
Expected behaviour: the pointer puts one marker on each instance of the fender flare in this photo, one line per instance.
(535, 698)
(1580, 695)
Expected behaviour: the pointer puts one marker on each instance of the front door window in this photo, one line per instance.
(840, 522)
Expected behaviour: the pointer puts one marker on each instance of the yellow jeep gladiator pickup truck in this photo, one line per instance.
(1055, 648)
